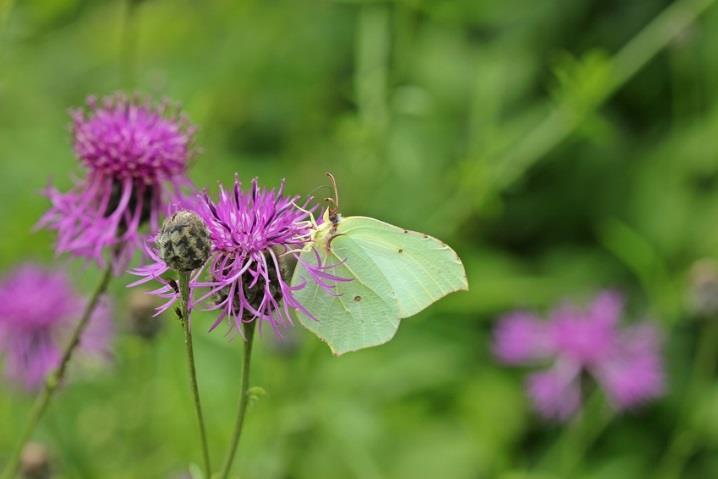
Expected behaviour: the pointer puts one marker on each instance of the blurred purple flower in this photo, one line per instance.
(626, 362)
(38, 308)
(136, 155)
(256, 236)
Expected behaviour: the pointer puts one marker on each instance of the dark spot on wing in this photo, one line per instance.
(357, 298)
(426, 236)
(406, 232)
(401, 250)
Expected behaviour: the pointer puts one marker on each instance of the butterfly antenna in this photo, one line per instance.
(334, 210)
(320, 187)
(336, 190)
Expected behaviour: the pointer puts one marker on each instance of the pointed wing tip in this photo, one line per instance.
(336, 352)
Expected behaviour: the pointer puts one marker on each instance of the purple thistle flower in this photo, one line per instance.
(136, 155)
(626, 363)
(256, 235)
(38, 309)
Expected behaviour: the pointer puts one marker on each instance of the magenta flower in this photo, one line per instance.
(626, 363)
(256, 236)
(37, 311)
(136, 157)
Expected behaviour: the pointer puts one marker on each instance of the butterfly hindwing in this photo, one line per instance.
(356, 314)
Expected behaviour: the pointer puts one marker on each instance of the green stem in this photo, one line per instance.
(628, 61)
(372, 50)
(243, 397)
(5, 9)
(187, 326)
(565, 456)
(478, 186)
(685, 438)
(56, 377)
(129, 44)
(596, 417)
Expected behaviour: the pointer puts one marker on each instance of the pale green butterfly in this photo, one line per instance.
(394, 273)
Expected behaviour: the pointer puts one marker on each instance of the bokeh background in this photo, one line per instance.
(561, 146)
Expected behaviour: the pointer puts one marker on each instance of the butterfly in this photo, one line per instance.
(389, 273)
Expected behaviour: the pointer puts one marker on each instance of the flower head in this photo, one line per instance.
(257, 237)
(626, 363)
(37, 311)
(184, 241)
(136, 156)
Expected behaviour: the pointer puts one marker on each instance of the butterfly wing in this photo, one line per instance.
(355, 314)
(394, 273)
(420, 269)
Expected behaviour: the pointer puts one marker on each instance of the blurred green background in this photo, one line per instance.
(561, 146)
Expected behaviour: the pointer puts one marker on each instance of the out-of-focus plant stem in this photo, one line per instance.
(187, 326)
(685, 439)
(569, 449)
(128, 58)
(595, 418)
(5, 9)
(371, 64)
(243, 397)
(489, 176)
(372, 45)
(56, 377)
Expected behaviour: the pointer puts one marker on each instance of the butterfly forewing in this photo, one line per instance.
(419, 269)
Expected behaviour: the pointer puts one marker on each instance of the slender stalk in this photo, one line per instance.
(243, 397)
(56, 377)
(685, 438)
(508, 164)
(5, 9)
(129, 44)
(568, 451)
(372, 51)
(187, 326)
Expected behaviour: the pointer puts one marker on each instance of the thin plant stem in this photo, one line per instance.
(568, 451)
(595, 419)
(56, 377)
(187, 326)
(487, 176)
(685, 438)
(372, 51)
(243, 397)
(5, 9)
(129, 44)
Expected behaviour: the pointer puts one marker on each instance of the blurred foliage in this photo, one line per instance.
(510, 129)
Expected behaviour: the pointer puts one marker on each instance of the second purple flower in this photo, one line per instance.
(626, 362)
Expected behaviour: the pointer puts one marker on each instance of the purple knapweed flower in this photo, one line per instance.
(626, 362)
(257, 237)
(38, 309)
(136, 157)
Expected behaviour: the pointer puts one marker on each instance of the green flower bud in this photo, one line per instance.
(184, 242)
